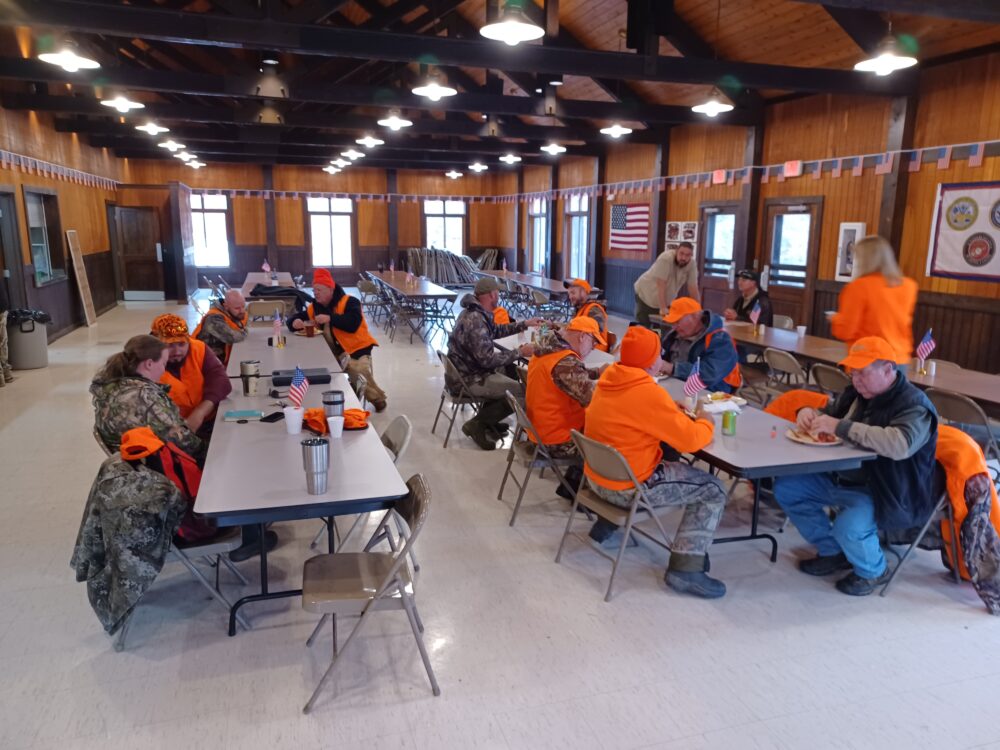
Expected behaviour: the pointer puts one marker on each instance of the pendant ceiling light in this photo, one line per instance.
(714, 105)
(478, 167)
(369, 142)
(513, 26)
(196, 164)
(330, 169)
(453, 174)
(122, 103)
(340, 163)
(616, 130)
(171, 146)
(888, 58)
(434, 89)
(184, 156)
(67, 58)
(554, 148)
(394, 122)
(152, 128)
(510, 159)
(352, 154)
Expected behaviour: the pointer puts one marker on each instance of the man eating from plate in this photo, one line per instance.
(883, 412)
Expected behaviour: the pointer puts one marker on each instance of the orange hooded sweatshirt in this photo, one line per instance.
(868, 306)
(633, 414)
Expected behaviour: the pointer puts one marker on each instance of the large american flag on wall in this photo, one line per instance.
(629, 227)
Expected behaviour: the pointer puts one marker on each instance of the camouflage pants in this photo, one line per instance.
(5, 372)
(363, 366)
(562, 450)
(677, 484)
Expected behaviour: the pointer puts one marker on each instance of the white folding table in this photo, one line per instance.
(298, 350)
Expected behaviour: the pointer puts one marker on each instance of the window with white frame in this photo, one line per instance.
(208, 223)
(538, 229)
(445, 224)
(330, 231)
(577, 238)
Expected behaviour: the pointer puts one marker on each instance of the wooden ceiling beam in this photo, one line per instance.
(206, 29)
(866, 28)
(983, 11)
(313, 11)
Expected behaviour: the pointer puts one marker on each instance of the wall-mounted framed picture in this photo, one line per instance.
(850, 232)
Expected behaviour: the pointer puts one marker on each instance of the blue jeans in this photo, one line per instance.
(854, 532)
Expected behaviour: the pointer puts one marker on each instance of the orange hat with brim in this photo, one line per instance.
(324, 277)
(583, 324)
(640, 348)
(680, 307)
(867, 350)
(169, 328)
(582, 283)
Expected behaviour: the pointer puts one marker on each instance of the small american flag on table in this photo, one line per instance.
(629, 227)
(299, 387)
(755, 313)
(694, 384)
(926, 346)
(266, 267)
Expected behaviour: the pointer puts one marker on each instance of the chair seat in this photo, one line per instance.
(592, 501)
(525, 449)
(225, 541)
(344, 582)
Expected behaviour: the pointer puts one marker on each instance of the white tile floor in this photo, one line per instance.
(527, 653)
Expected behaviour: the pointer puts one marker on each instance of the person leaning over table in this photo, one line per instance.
(672, 272)
(634, 415)
(879, 301)
(751, 295)
(885, 413)
(224, 324)
(343, 324)
(578, 291)
(698, 336)
(488, 372)
(559, 388)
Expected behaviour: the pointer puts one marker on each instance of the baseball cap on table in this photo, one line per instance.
(749, 273)
(485, 285)
(640, 347)
(680, 307)
(169, 328)
(583, 324)
(324, 277)
(867, 350)
(582, 283)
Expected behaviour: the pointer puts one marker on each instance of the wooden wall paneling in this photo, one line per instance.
(101, 275)
(392, 213)
(289, 222)
(628, 162)
(58, 298)
(215, 175)
(619, 279)
(598, 213)
(959, 102)
(249, 222)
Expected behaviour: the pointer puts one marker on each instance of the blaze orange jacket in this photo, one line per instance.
(633, 414)
(229, 322)
(787, 405)
(584, 311)
(551, 410)
(868, 306)
(500, 316)
(349, 341)
(189, 390)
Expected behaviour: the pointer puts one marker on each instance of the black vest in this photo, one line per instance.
(905, 491)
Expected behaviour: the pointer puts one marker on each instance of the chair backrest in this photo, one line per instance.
(956, 407)
(941, 364)
(603, 459)
(263, 309)
(783, 362)
(783, 321)
(360, 386)
(413, 509)
(451, 373)
(539, 297)
(367, 287)
(396, 437)
(829, 379)
(522, 418)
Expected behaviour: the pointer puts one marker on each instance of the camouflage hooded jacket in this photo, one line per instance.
(131, 516)
(470, 346)
(122, 404)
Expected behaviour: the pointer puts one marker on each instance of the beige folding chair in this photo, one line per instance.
(831, 380)
(939, 364)
(942, 510)
(462, 399)
(359, 583)
(532, 453)
(783, 372)
(962, 410)
(610, 464)
(360, 385)
(783, 321)
(262, 310)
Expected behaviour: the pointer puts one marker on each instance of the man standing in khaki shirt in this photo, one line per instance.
(663, 281)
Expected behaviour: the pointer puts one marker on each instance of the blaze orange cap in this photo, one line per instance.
(139, 442)
(867, 350)
(583, 324)
(324, 277)
(169, 328)
(640, 347)
(680, 307)
(582, 283)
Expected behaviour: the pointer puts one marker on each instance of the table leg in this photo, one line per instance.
(753, 527)
(264, 593)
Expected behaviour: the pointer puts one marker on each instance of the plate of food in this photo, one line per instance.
(822, 439)
(719, 396)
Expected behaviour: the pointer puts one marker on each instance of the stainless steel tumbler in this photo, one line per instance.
(316, 462)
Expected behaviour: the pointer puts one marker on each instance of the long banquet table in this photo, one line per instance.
(259, 277)
(298, 350)
(535, 281)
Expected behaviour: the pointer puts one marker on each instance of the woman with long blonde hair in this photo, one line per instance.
(879, 301)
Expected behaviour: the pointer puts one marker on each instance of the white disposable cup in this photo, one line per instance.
(293, 419)
(801, 330)
(931, 369)
(336, 425)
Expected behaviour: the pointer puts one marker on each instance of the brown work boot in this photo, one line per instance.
(380, 405)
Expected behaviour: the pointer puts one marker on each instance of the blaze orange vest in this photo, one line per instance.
(229, 322)
(349, 342)
(735, 377)
(787, 405)
(188, 390)
(550, 409)
(584, 311)
(500, 316)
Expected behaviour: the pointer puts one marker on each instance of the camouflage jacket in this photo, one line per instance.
(122, 404)
(570, 374)
(470, 346)
(980, 542)
(218, 334)
(130, 519)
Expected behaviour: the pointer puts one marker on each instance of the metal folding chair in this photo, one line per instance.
(610, 464)
(943, 509)
(783, 321)
(783, 372)
(462, 399)
(831, 380)
(962, 410)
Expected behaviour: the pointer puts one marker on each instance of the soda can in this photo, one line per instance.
(728, 423)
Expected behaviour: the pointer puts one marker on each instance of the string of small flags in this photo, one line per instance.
(31, 165)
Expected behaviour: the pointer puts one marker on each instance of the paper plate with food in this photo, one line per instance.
(822, 439)
(721, 396)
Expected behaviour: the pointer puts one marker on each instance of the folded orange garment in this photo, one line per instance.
(315, 419)
(356, 419)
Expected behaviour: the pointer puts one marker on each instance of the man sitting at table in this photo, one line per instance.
(885, 413)
(197, 379)
(342, 322)
(633, 414)
(698, 336)
(488, 372)
(751, 295)
(578, 291)
(224, 324)
(559, 389)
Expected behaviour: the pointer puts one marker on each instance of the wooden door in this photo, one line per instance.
(137, 233)
(715, 254)
(791, 252)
